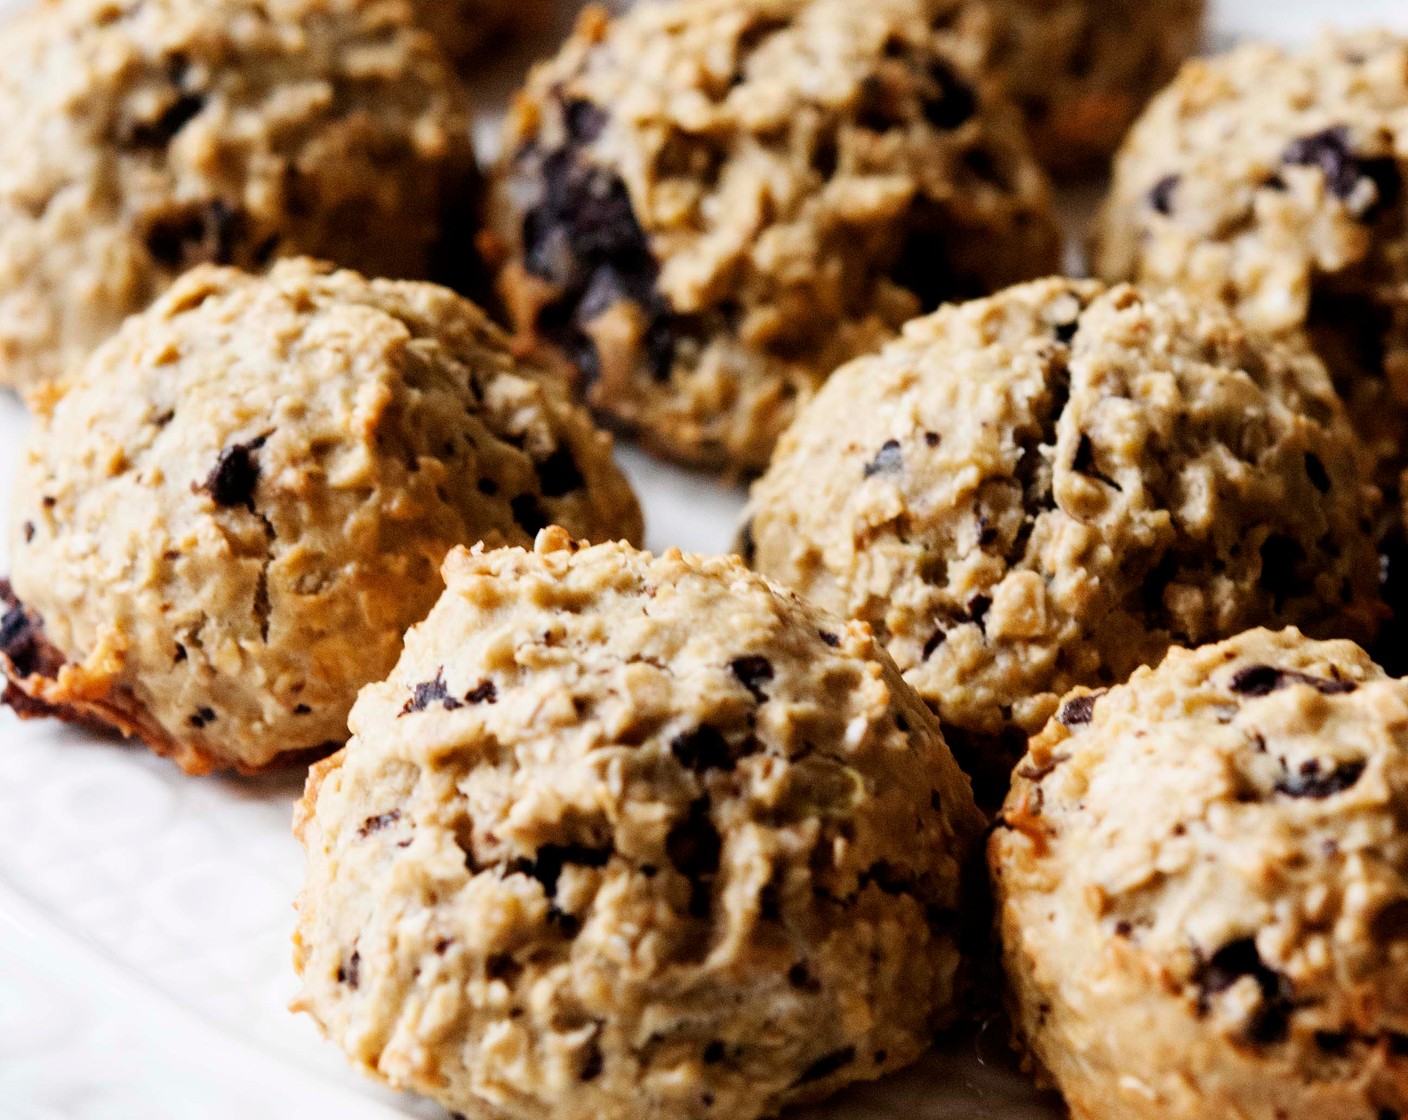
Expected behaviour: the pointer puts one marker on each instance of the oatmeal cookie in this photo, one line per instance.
(223, 528)
(1275, 180)
(706, 206)
(628, 837)
(1050, 487)
(1202, 883)
(143, 137)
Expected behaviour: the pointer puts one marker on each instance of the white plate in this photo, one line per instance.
(145, 916)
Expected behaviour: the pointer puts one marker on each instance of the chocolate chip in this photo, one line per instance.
(753, 672)
(207, 234)
(548, 862)
(1280, 557)
(1317, 780)
(1332, 152)
(28, 531)
(181, 655)
(932, 439)
(482, 693)
(585, 121)
(713, 1053)
(14, 630)
(954, 104)
(1315, 471)
(1161, 194)
(488, 487)
(829, 638)
(888, 460)
(351, 975)
(377, 823)
(201, 718)
(1077, 711)
(529, 514)
(747, 546)
(1234, 961)
(160, 132)
(235, 476)
(826, 1066)
(558, 474)
(702, 749)
(594, 1062)
(431, 692)
(978, 607)
(1262, 680)
(1066, 334)
(800, 977)
(936, 639)
(302, 710)
(694, 847)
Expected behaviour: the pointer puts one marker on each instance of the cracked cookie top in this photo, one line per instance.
(227, 521)
(1202, 881)
(1052, 486)
(706, 206)
(1276, 181)
(143, 137)
(632, 836)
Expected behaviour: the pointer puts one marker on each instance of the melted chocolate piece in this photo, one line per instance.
(753, 672)
(235, 476)
(1262, 680)
(1319, 780)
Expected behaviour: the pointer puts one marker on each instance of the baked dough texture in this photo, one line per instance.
(143, 137)
(706, 206)
(1202, 881)
(628, 837)
(1275, 181)
(1052, 486)
(1081, 70)
(224, 526)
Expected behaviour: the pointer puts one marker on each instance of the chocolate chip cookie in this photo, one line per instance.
(143, 137)
(1052, 486)
(224, 526)
(706, 206)
(1202, 884)
(1275, 180)
(633, 837)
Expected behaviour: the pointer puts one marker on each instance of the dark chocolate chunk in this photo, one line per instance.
(978, 607)
(800, 977)
(529, 514)
(488, 487)
(713, 1052)
(584, 119)
(235, 476)
(1161, 194)
(203, 235)
(594, 1062)
(28, 531)
(482, 693)
(933, 439)
(1238, 959)
(549, 860)
(1318, 780)
(377, 823)
(559, 474)
(1066, 334)
(702, 749)
(954, 104)
(1332, 152)
(351, 973)
(694, 845)
(888, 460)
(936, 639)
(1077, 711)
(829, 638)
(160, 132)
(753, 672)
(1262, 680)
(825, 1066)
(201, 718)
(431, 692)
(1315, 471)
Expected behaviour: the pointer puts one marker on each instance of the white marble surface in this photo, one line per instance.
(145, 916)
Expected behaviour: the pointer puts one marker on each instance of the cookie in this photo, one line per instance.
(1202, 880)
(143, 137)
(1081, 70)
(465, 27)
(1052, 486)
(224, 526)
(708, 205)
(633, 837)
(1275, 180)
